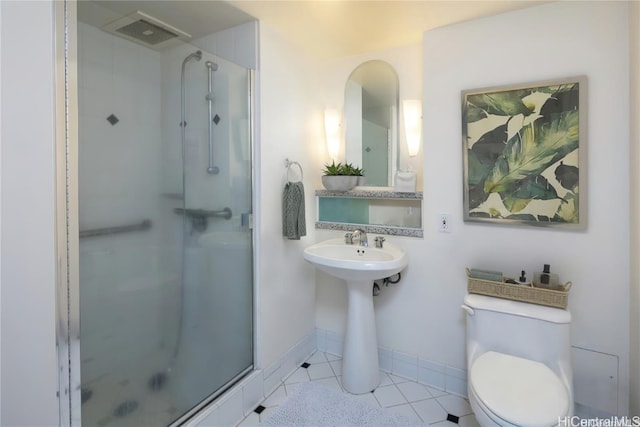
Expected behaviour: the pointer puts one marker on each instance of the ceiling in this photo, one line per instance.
(334, 28)
(328, 28)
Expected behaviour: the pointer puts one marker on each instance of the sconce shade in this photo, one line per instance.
(412, 110)
(332, 131)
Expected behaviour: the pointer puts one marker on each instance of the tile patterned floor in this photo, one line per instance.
(406, 397)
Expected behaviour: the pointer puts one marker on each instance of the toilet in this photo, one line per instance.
(518, 362)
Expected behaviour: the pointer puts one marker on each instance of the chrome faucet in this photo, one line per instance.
(361, 235)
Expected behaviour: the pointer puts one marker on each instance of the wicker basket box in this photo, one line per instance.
(524, 293)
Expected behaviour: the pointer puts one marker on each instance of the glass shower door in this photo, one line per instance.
(166, 279)
(217, 326)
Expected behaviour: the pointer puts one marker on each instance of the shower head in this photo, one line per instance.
(211, 65)
(197, 55)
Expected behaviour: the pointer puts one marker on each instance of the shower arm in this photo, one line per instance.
(197, 55)
(211, 67)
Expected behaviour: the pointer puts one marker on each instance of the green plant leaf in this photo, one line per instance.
(477, 171)
(531, 188)
(533, 150)
(491, 145)
(569, 210)
(567, 176)
(476, 195)
(333, 169)
(508, 103)
(563, 98)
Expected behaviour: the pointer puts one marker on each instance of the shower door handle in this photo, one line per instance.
(246, 220)
(204, 213)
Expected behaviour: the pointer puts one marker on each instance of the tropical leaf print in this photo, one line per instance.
(500, 103)
(516, 137)
(532, 151)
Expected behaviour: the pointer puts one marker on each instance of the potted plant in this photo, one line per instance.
(339, 177)
(359, 172)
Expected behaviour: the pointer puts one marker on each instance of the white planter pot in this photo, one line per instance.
(339, 182)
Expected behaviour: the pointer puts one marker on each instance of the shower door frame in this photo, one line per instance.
(64, 14)
(67, 231)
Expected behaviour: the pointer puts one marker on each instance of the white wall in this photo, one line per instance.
(288, 128)
(595, 260)
(421, 316)
(634, 51)
(28, 370)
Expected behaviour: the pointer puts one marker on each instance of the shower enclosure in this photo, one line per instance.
(165, 244)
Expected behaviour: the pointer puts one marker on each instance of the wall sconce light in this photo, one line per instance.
(406, 181)
(412, 110)
(332, 131)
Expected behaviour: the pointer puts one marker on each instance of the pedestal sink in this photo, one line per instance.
(359, 266)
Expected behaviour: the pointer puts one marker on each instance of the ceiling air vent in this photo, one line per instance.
(147, 31)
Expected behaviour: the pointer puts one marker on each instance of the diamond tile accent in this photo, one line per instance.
(453, 418)
(305, 365)
(259, 409)
(216, 119)
(113, 119)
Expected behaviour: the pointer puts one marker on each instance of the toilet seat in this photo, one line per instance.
(519, 391)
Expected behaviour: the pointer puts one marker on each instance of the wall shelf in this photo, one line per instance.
(370, 194)
(375, 210)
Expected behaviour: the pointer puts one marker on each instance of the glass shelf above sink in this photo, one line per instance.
(376, 211)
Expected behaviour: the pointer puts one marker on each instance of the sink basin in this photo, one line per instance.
(359, 266)
(354, 262)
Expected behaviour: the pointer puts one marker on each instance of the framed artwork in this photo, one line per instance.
(525, 153)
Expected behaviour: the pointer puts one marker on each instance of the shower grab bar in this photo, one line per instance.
(211, 67)
(203, 213)
(144, 225)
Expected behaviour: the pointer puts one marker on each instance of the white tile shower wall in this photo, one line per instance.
(245, 396)
(119, 183)
(229, 187)
(442, 377)
(121, 79)
(237, 44)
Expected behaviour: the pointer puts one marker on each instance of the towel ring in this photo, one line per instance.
(288, 163)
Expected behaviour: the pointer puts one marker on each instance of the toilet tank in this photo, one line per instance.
(521, 329)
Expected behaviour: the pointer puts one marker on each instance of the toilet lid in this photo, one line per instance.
(520, 391)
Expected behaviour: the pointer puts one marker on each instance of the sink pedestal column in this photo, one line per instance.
(360, 372)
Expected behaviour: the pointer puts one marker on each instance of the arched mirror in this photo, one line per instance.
(371, 121)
